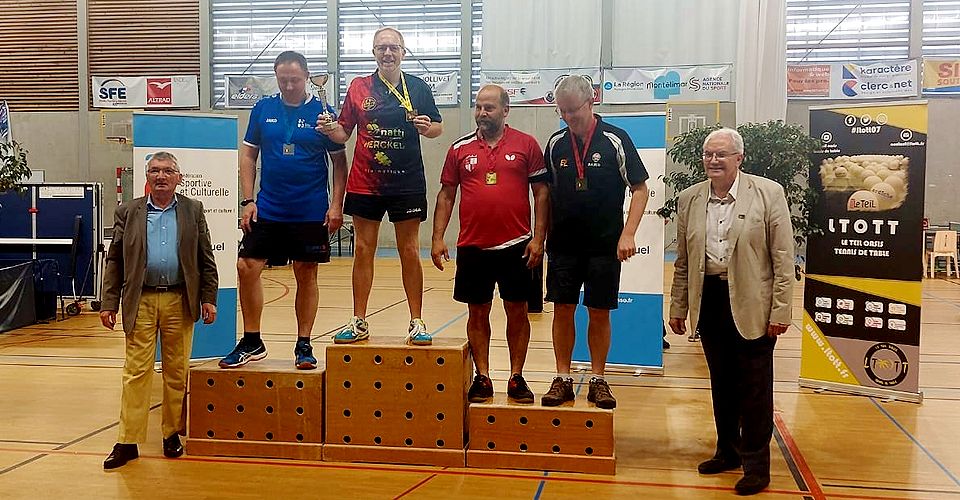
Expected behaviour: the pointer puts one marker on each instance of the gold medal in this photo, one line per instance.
(411, 114)
(491, 178)
(581, 184)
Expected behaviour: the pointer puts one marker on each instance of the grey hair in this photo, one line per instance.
(162, 156)
(575, 85)
(729, 132)
(390, 28)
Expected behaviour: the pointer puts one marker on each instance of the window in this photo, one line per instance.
(143, 39)
(38, 54)
(941, 28)
(835, 30)
(476, 18)
(248, 36)
(431, 31)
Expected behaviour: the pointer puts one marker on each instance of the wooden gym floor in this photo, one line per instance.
(60, 393)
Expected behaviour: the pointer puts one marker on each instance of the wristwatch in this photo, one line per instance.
(246, 202)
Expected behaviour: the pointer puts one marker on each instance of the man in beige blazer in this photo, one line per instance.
(161, 263)
(734, 275)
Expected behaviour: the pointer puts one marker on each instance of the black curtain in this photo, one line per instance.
(17, 306)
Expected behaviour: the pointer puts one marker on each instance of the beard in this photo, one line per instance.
(488, 127)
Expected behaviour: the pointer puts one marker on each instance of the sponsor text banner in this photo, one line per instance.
(642, 85)
(243, 91)
(808, 80)
(145, 92)
(854, 81)
(862, 294)
(941, 76)
(535, 88)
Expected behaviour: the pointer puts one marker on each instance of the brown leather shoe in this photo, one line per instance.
(561, 391)
(121, 454)
(599, 394)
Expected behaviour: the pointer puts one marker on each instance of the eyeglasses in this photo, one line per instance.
(561, 112)
(381, 49)
(165, 171)
(720, 155)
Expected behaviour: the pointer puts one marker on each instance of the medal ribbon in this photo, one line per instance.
(579, 159)
(490, 150)
(289, 126)
(405, 97)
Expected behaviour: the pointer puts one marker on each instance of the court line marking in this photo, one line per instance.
(940, 299)
(286, 290)
(791, 464)
(340, 327)
(59, 449)
(452, 321)
(33, 340)
(543, 482)
(916, 442)
(416, 486)
(798, 465)
(386, 468)
(27, 441)
(889, 488)
(483, 473)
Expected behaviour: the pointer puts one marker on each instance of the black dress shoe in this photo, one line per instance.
(121, 454)
(172, 447)
(751, 484)
(717, 465)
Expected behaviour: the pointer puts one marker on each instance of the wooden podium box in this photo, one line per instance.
(576, 437)
(390, 402)
(265, 408)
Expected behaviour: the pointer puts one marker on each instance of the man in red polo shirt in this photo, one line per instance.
(495, 167)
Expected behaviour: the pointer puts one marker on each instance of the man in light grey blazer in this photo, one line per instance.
(734, 276)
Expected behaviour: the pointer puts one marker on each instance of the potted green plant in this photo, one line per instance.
(775, 150)
(13, 166)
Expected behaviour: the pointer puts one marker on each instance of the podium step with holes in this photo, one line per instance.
(265, 408)
(576, 437)
(390, 402)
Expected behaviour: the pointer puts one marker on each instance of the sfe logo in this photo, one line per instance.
(113, 90)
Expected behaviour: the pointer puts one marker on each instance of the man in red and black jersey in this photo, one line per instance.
(495, 168)
(390, 110)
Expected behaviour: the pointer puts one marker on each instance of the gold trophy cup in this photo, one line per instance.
(319, 81)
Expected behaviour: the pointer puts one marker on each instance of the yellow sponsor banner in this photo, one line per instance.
(862, 293)
(906, 116)
(821, 361)
(941, 76)
(908, 292)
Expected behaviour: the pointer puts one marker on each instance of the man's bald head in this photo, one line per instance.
(498, 91)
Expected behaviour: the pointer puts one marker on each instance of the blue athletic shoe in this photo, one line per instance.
(356, 330)
(417, 333)
(243, 354)
(304, 354)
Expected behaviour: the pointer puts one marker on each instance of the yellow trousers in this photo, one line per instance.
(166, 314)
